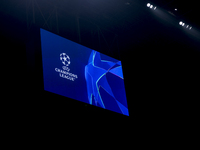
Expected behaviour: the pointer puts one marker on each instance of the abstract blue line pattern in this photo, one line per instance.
(105, 84)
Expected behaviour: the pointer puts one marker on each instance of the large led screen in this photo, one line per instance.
(83, 74)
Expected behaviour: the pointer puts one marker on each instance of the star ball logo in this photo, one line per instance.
(65, 59)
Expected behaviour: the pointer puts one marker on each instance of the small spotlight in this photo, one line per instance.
(190, 28)
(175, 9)
(180, 22)
(187, 26)
(151, 6)
(183, 24)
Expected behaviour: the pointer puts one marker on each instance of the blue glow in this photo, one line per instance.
(99, 72)
(117, 71)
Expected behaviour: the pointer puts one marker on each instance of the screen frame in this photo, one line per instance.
(34, 59)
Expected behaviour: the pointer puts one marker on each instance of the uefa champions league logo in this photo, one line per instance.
(65, 59)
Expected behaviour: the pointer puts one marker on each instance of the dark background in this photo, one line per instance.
(160, 60)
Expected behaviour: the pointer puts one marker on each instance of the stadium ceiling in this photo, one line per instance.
(114, 14)
(112, 20)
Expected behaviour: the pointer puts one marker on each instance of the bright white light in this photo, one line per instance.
(151, 6)
(187, 26)
(180, 22)
(175, 9)
(148, 5)
(183, 24)
(155, 8)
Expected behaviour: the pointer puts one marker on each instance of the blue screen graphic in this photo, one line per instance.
(83, 74)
